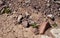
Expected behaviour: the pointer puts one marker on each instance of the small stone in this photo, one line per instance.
(31, 22)
(59, 9)
(25, 23)
(19, 18)
(51, 17)
(27, 14)
(48, 4)
(55, 32)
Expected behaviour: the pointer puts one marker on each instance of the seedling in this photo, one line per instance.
(54, 25)
(5, 10)
(34, 25)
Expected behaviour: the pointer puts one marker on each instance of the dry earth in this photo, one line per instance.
(31, 11)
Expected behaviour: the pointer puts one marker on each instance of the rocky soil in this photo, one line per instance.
(23, 18)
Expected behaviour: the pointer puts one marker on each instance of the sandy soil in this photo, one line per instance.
(37, 9)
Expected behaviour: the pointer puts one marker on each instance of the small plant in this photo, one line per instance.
(54, 25)
(34, 25)
(5, 10)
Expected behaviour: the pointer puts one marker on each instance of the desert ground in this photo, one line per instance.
(27, 18)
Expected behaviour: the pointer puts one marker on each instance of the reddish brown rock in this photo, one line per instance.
(44, 26)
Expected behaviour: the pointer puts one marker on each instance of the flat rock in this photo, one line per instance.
(55, 32)
(44, 26)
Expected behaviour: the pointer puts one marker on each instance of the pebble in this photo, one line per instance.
(31, 22)
(51, 16)
(59, 9)
(19, 18)
(55, 32)
(48, 4)
(25, 24)
(27, 14)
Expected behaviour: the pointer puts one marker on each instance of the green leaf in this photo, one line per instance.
(54, 25)
(34, 25)
(6, 10)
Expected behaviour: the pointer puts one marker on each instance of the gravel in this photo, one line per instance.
(26, 12)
